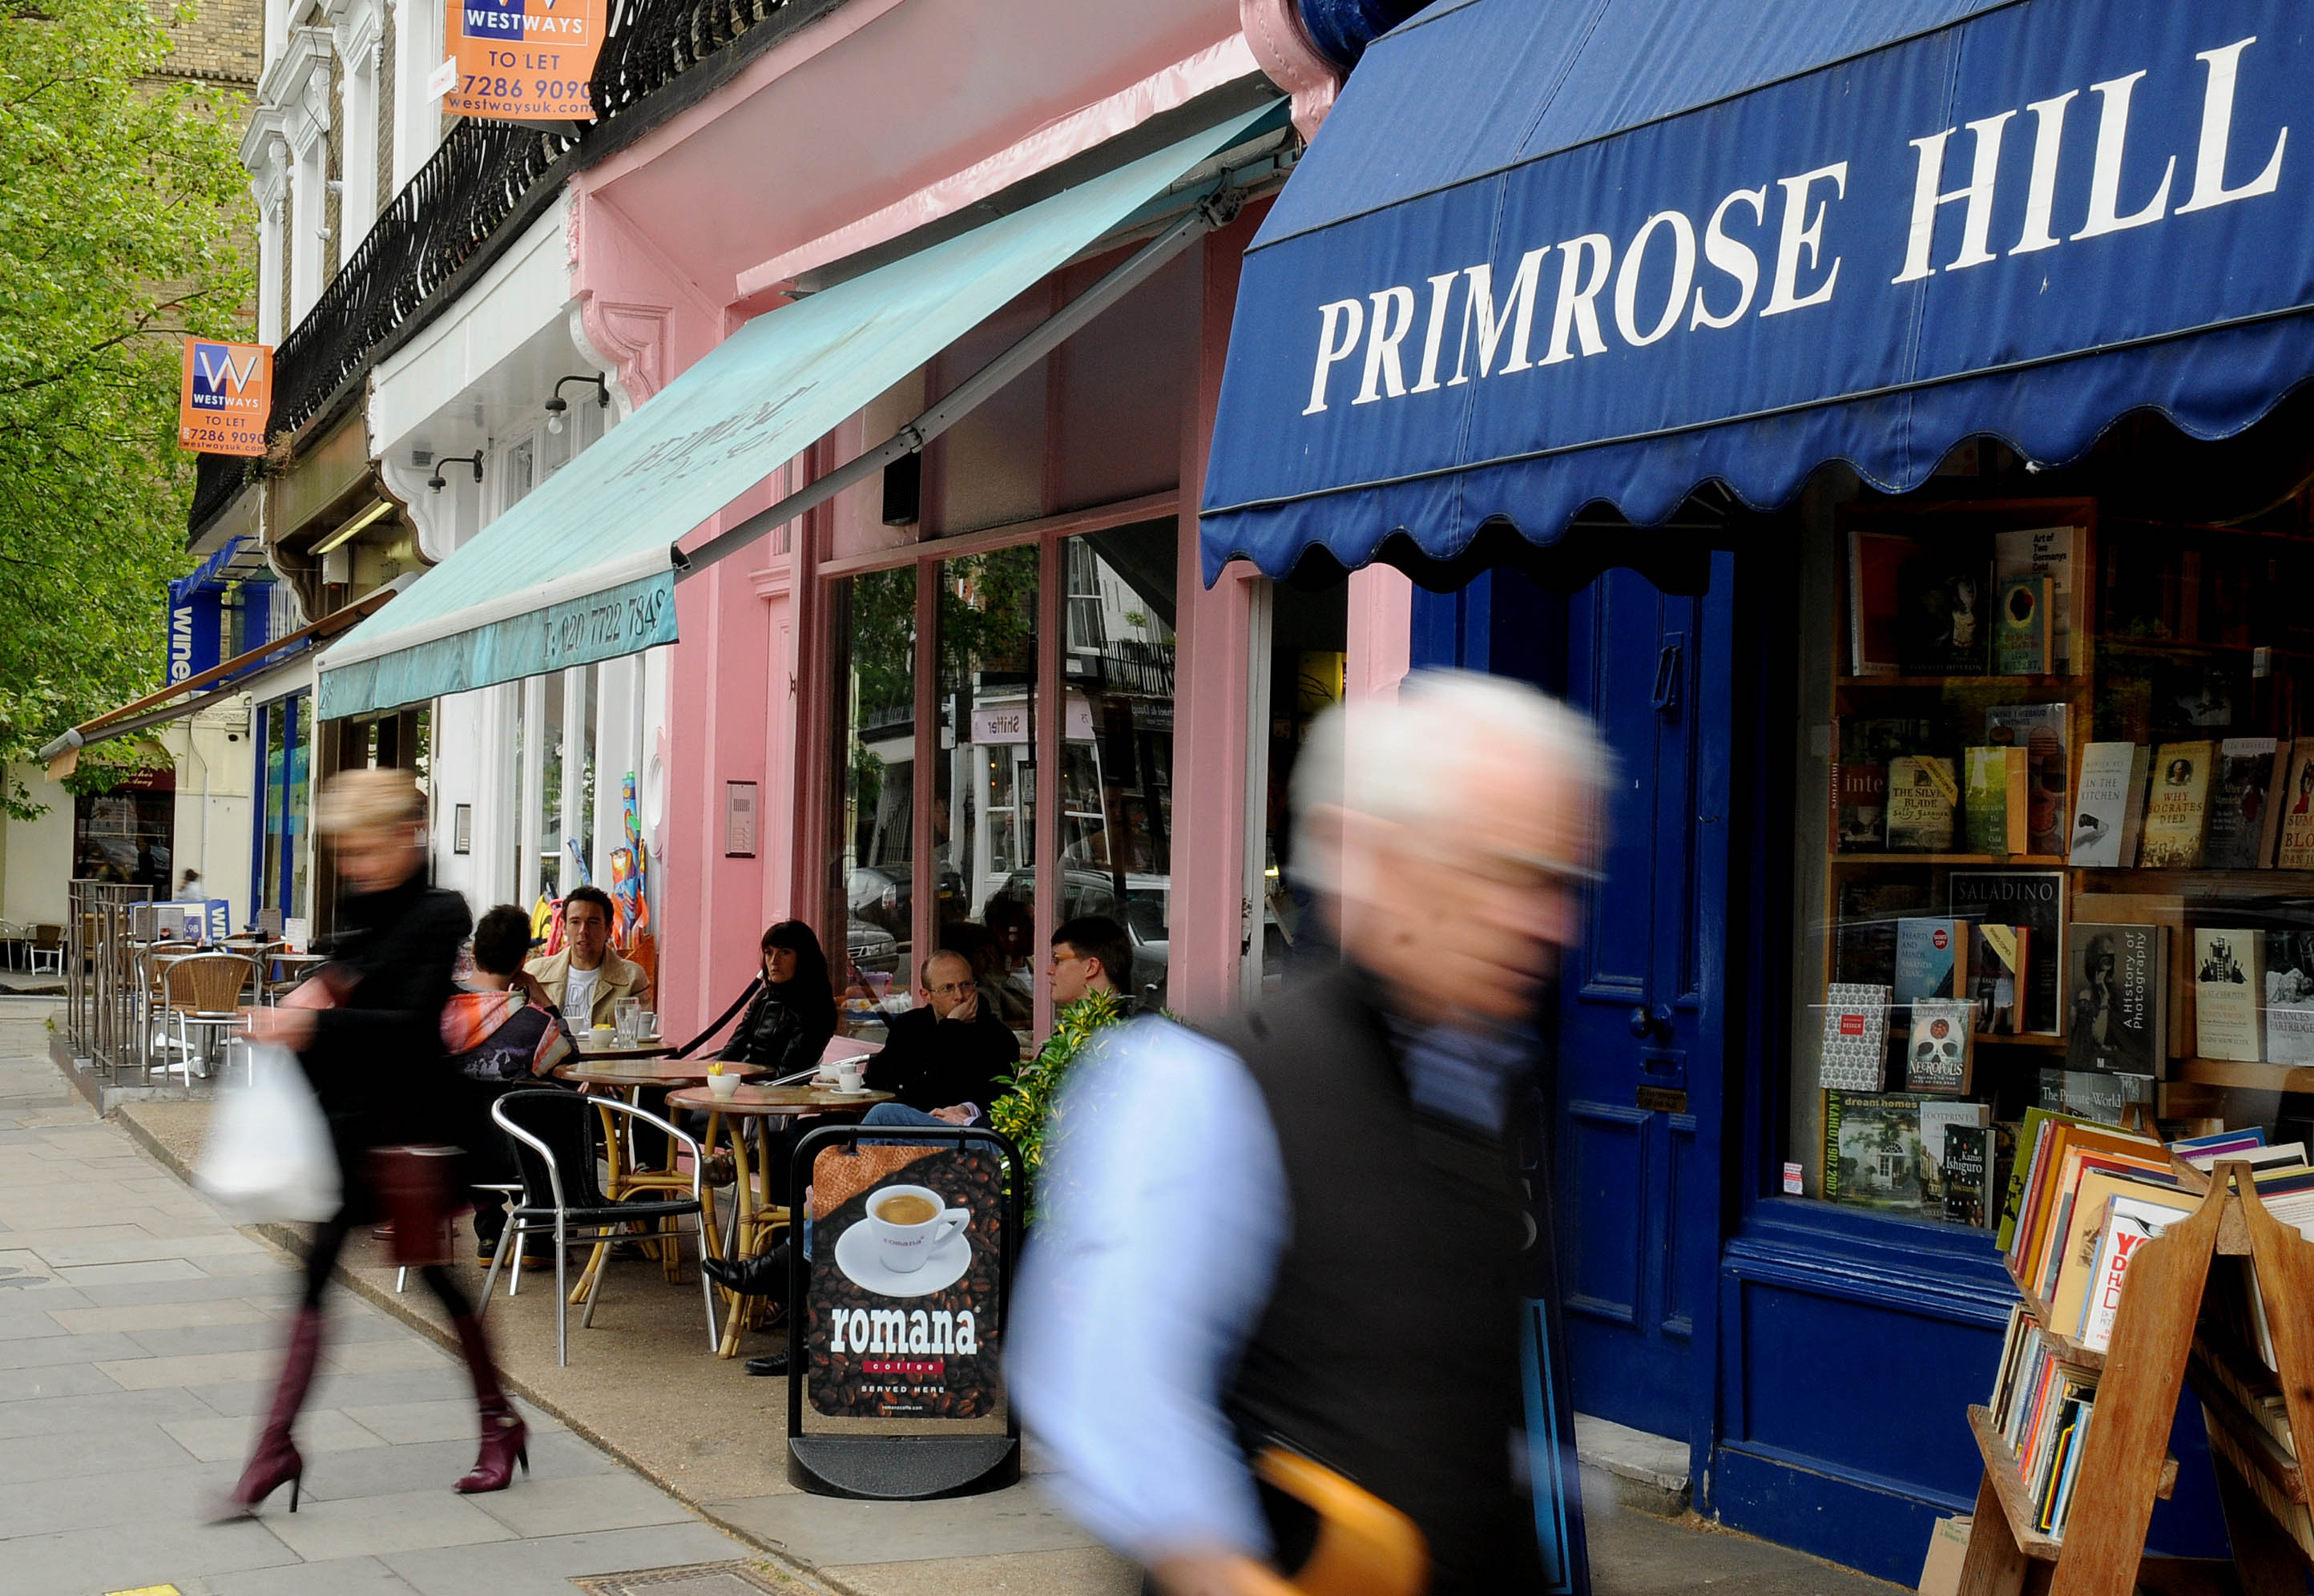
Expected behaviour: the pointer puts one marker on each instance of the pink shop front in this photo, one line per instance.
(984, 689)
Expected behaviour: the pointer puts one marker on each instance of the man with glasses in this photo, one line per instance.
(941, 1060)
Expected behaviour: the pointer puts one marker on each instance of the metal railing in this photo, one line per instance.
(486, 177)
(101, 995)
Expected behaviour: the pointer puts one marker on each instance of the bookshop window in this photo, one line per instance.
(2056, 840)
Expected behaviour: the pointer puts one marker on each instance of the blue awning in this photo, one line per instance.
(208, 574)
(583, 567)
(1543, 256)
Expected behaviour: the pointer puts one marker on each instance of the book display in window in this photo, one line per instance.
(1855, 1051)
(2077, 743)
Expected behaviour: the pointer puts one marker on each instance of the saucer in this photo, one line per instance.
(856, 1255)
(838, 1091)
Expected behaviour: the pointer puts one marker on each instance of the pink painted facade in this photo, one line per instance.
(883, 117)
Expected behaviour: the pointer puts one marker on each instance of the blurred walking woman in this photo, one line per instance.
(368, 1028)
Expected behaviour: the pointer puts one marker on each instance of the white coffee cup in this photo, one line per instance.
(903, 1245)
(848, 1076)
(723, 1085)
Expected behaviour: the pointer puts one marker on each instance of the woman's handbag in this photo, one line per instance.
(414, 1191)
(269, 1156)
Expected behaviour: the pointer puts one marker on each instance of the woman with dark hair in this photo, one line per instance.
(789, 1023)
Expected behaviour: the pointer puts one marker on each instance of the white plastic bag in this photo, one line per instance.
(269, 1156)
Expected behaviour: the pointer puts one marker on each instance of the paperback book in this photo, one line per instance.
(1932, 960)
(2228, 989)
(2177, 809)
(2243, 813)
(1938, 1120)
(2020, 627)
(2044, 551)
(1864, 949)
(1922, 794)
(1855, 1052)
(2119, 985)
(2295, 848)
(2087, 1095)
(2111, 808)
(2289, 997)
(1859, 777)
(1945, 623)
(2041, 730)
(1994, 800)
(1872, 1150)
(1938, 1060)
(1967, 1155)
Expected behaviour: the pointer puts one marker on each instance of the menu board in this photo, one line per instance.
(901, 1315)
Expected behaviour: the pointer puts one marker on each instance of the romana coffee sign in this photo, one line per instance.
(901, 1315)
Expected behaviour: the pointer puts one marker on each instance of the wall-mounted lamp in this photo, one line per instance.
(557, 404)
(474, 459)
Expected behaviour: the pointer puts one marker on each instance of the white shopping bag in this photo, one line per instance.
(269, 1156)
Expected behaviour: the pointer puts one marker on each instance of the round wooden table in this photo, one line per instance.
(597, 1052)
(757, 1215)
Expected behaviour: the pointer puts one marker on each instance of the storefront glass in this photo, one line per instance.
(284, 794)
(876, 627)
(1309, 640)
(126, 835)
(983, 798)
(2052, 850)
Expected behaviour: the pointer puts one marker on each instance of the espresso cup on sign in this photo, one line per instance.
(908, 1221)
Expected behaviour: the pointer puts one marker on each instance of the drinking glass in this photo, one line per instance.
(623, 1013)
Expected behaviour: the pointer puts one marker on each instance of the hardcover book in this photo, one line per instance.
(1945, 622)
(2033, 900)
(2177, 807)
(1999, 957)
(2229, 989)
(1932, 960)
(2119, 986)
(2020, 627)
(1872, 1150)
(2044, 551)
(1875, 564)
(2242, 809)
(1938, 1120)
(2295, 850)
(1859, 777)
(2041, 730)
(1938, 1060)
(1922, 794)
(1994, 800)
(1966, 1151)
(1855, 1053)
(2112, 804)
(2289, 997)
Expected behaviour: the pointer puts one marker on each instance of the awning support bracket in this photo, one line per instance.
(1214, 210)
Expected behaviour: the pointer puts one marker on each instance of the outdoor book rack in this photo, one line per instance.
(2163, 1330)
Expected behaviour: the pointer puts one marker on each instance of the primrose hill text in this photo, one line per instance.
(1805, 270)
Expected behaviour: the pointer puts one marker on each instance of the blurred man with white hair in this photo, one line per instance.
(1302, 1230)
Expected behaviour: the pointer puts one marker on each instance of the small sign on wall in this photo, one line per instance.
(738, 820)
(462, 829)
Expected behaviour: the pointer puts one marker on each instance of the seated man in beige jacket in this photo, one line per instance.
(586, 976)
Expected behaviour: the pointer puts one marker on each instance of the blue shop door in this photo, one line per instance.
(1641, 1005)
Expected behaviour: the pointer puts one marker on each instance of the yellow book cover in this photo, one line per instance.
(2177, 810)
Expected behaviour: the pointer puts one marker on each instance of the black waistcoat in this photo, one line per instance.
(1390, 1348)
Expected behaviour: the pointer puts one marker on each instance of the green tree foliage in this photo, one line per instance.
(119, 198)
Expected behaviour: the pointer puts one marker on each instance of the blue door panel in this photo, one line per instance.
(1604, 1168)
(1689, 1207)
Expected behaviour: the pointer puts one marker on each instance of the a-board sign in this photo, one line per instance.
(901, 1315)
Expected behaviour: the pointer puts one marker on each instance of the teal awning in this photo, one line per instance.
(583, 567)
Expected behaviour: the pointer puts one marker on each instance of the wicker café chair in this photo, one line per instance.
(202, 994)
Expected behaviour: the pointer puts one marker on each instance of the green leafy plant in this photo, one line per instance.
(1027, 1112)
(121, 196)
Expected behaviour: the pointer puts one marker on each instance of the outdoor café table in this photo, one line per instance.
(757, 1214)
(629, 1072)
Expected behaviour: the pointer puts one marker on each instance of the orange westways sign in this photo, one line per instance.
(524, 60)
(226, 398)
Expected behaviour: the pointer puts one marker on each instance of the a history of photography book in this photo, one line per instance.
(1855, 1052)
(2035, 900)
(2110, 807)
(2243, 813)
(2041, 730)
(2177, 807)
(2229, 991)
(1923, 792)
(2118, 984)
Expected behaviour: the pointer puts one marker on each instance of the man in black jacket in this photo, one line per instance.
(946, 1057)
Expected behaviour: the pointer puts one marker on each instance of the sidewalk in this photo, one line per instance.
(641, 1385)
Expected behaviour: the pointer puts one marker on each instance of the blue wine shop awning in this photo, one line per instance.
(1546, 255)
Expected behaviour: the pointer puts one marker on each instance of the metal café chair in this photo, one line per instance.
(14, 937)
(47, 950)
(555, 1141)
(202, 993)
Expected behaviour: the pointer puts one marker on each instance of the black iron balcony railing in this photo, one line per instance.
(485, 183)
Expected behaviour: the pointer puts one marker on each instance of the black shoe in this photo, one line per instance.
(765, 1276)
(769, 1363)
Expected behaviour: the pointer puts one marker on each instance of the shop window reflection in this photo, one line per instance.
(876, 777)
